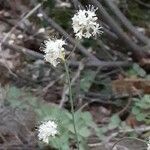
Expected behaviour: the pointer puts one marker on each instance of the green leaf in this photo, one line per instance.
(141, 72)
(114, 122)
(87, 79)
(135, 110)
(124, 126)
(63, 117)
(100, 132)
(82, 146)
(132, 72)
(71, 128)
(142, 104)
(13, 93)
(148, 77)
(140, 117)
(146, 98)
(87, 117)
(84, 132)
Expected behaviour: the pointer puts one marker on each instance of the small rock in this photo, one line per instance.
(40, 15)
(10, 42)
(20, 36)
(41, 30)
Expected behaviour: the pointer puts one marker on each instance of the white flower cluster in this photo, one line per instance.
(54, 50)
(47, 129)
(85, 24)
(148, 144)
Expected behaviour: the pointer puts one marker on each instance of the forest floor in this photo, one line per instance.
(115, 92)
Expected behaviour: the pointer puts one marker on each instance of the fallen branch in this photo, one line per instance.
(23, 29)
(88, 63)
(142, 3)
(126, 22)
(138, 52)
(21, 20)
(113, 135)
(11, 31)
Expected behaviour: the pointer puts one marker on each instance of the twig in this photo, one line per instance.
(109, 54)
(92, 100)
(24, 50)
(132, 138)
(71, 52)
(138, 129)
(103, 64)
(109, 97)
(102, 100)
(120, 113)
(142, 3)
(18, 146)
(76, 4)
(23, 29)
(45, 89)
(12, 29)
(22, 20)
(3, 138)
(109, 144)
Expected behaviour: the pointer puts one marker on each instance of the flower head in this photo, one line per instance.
(47, 129)
(54, 51)
(85, 24)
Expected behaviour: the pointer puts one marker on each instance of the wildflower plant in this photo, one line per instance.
(85, 25)
(54, 53)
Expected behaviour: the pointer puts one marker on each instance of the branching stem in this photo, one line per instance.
(71, 102)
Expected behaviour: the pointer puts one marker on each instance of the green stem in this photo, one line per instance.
(71, 102)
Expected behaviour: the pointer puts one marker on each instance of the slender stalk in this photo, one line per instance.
(72, 52)
(71, 102)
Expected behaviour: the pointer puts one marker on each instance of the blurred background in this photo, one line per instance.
(109, 75)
